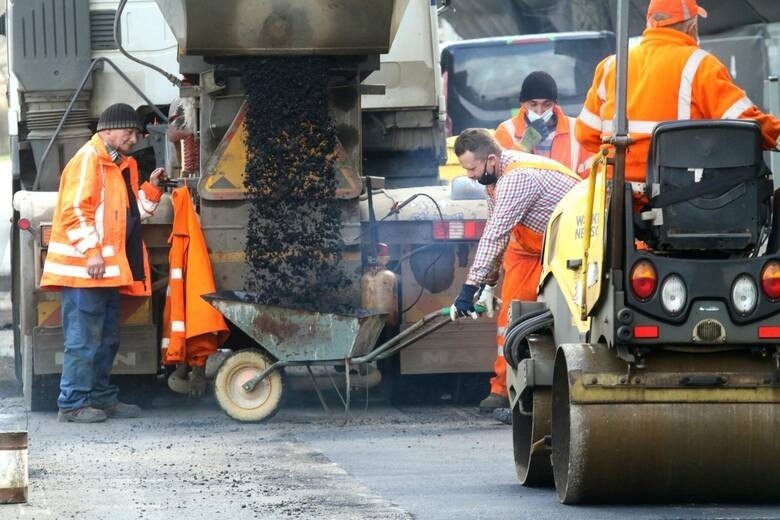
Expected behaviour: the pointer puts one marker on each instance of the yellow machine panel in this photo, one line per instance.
(574, 245)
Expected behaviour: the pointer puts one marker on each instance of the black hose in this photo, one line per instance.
(397, 208)
(394, 211)
(95, 63)
(529, 323)
(118, 40)
(422, 287)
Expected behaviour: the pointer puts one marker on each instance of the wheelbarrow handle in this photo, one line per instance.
(392, 342)
(400, 341)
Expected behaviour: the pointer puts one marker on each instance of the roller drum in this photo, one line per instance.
(532, 454)
(711, 438)
(531, 431)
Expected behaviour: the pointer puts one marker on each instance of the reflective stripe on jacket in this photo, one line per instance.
(565, 148)
(90, 217)
(669, 78)
(192, 328)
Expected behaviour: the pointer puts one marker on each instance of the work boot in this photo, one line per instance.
(121, 410)
(503, 415)
(198, 381)
(492, 402)
(87, 414)
(178, 381)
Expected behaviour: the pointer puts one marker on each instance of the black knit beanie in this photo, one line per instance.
(119, 115)
(539, 85)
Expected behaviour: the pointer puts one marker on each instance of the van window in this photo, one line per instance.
(484, 79)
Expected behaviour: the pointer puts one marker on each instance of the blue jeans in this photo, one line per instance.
(90, 325)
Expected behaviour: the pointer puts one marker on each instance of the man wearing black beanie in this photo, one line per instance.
(541, 127)
(95, 253)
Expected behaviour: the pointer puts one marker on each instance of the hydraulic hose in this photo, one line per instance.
(530, 323)
(95, 63)
(118, 40)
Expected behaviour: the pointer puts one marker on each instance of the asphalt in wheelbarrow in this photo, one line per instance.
(324, 307)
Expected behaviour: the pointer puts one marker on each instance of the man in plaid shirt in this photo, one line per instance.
(523, 189)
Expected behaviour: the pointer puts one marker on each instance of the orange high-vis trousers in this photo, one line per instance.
(522, 269)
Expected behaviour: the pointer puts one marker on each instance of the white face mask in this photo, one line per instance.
(546, 115)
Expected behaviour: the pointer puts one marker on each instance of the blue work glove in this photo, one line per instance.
(464, 303)
(542, 127)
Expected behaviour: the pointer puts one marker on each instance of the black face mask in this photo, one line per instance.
(486, 179)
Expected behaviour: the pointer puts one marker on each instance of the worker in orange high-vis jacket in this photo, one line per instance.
(192, 329)
(540, 126)
(95, 253)
(523, 189)
(669, 78)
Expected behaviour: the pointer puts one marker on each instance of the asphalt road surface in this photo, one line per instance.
(186, 459)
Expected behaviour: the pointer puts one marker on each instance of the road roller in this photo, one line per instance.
(648, 369)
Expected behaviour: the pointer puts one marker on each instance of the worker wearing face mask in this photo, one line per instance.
(540, 126)
(523, 189)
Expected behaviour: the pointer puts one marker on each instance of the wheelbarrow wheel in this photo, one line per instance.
(261, 403)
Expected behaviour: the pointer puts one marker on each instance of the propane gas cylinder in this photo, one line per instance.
(378, 292)
(379, 288)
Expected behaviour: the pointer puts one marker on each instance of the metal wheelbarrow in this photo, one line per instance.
(249, 384)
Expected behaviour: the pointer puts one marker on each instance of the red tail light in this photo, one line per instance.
(770, 280)
(769, 332)
(644, 279)
(646, 331)
(458, 229)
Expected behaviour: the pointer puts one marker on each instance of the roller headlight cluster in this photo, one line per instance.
(673, 292)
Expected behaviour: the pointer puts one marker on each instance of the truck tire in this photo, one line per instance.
(44, 392)
(137, 389)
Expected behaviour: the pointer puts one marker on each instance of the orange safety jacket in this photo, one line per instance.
(565, 148)
(90, 217)
(192, 329)
(669, 78)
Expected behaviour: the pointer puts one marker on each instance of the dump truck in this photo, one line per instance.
(649, 367)
(182, 59)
